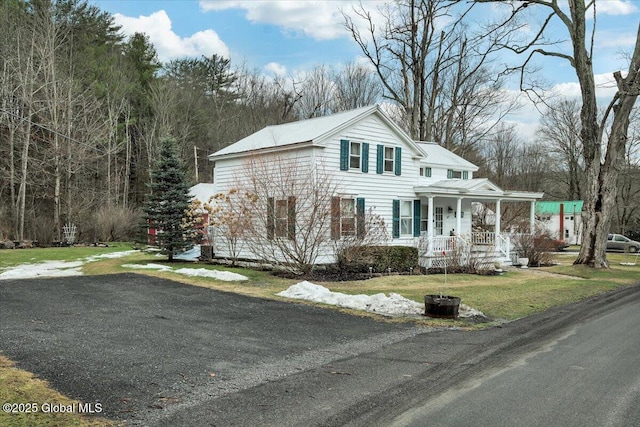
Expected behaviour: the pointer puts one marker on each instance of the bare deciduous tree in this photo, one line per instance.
(433, 67)
(560, 130)
(602, 159)
(355, 86)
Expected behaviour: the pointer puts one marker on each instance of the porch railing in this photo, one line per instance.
(437, 244)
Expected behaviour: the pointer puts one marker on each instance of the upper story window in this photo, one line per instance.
(455, 174)
(354, 156)
(389, 159)
(426, 172)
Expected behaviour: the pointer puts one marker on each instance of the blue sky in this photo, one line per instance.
(290, 36)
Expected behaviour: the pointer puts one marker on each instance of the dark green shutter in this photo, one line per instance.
(449, 174)
(271, 220)
(291, 218)
(416, 218)
(395, 228)
(360, 227)
(427, 172)
(344, 155)
(365, 157)
(335, 218)
(465, 175)
(398, 161)
(380, 159)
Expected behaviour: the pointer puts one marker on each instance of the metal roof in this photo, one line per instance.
(310, 130)
(438, 155)
(553, 208)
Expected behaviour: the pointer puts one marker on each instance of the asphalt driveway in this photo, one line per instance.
(145, 347)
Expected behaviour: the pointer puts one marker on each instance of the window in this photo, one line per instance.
(424, 215)
(451, 174)
(281, 218)
(354, 155)
(388, 159)
(406, 217)
(347, 217)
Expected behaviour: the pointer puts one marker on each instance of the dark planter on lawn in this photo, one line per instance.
(441, 306)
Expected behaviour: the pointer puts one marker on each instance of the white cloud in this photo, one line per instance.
(277, 69)
(609, 39)
(605, 87)
(168, 44)
(615, 7)
(320, 20)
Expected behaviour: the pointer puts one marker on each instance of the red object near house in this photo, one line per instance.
(151, 232)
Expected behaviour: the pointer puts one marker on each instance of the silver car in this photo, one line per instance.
(619, 243)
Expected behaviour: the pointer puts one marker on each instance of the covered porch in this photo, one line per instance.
(447, 227)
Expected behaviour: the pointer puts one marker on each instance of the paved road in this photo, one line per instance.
(589, 376)
(159, 353)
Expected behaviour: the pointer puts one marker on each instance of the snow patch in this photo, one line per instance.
(392, 305)
(150, 266)
(56, 268)
(43, 269)
(226, 276)
(109, 255)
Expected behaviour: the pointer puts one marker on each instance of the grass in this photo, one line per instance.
(19, 386)
(11, 257)
(516, 294)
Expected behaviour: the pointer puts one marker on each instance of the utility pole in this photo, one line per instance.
(195, 159)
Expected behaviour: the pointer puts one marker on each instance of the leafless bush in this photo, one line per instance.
(349, 247)
(43, 230)
(109, 224)
(537, 248)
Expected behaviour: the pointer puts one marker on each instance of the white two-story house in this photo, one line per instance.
(421, 190)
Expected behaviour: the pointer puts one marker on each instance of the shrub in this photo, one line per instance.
(109, 224)
(538, 248)
(359, 259)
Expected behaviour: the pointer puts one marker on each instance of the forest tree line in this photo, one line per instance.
(83, 109)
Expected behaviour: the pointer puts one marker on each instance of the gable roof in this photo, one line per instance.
(310, 131)
(438, 155)
(479, 188)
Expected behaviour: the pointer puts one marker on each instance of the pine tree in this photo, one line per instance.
(166, 206)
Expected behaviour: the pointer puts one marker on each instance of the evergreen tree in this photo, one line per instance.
(166, 206)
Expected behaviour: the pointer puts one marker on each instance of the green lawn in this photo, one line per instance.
(11, 257)
(518, 293)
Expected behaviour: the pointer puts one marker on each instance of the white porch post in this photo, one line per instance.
(497, 230)
(458, 215)
(430, 226)
(532, 217)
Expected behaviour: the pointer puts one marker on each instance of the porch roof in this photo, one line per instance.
(478, 189)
